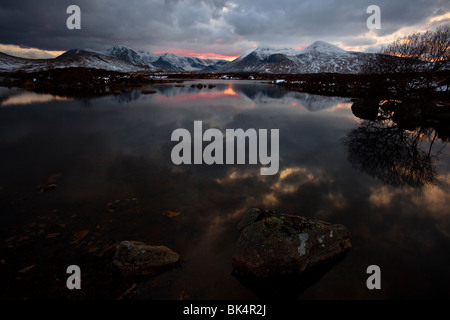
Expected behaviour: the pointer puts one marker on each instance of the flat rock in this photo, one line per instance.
(138, 258)
(275, 244)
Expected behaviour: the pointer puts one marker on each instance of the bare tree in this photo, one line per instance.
(418, 52)
(412, 62)
(438, 52)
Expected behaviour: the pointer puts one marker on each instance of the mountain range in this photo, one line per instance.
(319, 57)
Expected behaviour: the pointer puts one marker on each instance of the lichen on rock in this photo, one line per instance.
(273, 244)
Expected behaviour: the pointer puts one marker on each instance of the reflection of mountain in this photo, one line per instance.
(15, 96)
(258, 93)
(128, 96)
(264, 94)
(314, 102)
(5, 93)
(390, 154)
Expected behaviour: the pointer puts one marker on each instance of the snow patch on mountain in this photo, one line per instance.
(74, 59)
(263, 53)
(323, 47)
(318, 57)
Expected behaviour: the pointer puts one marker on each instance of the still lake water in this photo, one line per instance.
(97, 151)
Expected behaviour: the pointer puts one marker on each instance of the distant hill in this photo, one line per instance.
(319, 57)
(79, 58)
(166, 61)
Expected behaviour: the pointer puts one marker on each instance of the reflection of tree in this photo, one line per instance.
(391, 154)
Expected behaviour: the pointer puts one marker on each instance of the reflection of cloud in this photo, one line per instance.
(288, 171)
(380, 197)
(337, 199)
(289, 182)
(436, 198)
(29, 98)
(291, 179)
(235, 175)
(230, 92)
(270, 200)
(341, 105)
(200, 94)
(112, 152)
(433, 200)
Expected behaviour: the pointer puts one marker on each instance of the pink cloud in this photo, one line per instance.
(193, 53)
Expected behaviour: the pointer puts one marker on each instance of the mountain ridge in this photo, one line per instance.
(82, 59)
(318, 57)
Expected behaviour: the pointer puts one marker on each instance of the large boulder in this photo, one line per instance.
(272, 244)
(138, 258)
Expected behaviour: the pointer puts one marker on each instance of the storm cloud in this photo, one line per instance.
(219, 26)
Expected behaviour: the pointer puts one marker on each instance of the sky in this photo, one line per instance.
(209, 29)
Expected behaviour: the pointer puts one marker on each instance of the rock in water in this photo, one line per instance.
(272, 244)
(138, 258)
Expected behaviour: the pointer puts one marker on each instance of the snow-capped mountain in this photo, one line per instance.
(322, 47)
(166, 61)
(316, 58)
(72, 52)
(319, 57)
(80, 58)
(172, 62)
(129, 55)
(122, 53)
(262, 60)
(10, 63)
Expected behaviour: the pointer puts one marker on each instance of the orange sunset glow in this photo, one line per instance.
(201, 55)
(202, 94)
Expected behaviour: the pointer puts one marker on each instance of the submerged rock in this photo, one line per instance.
(272, 244)
(138, 258)
(149, 91)
(121, 205)
(49, 187)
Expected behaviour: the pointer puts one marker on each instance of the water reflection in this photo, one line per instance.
(391, 146)
(256, 93)
(11, 97)
(128, 96)
(120, 149)
(287, 287)
(390, 154)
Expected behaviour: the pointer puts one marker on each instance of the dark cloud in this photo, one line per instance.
(220, 26)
